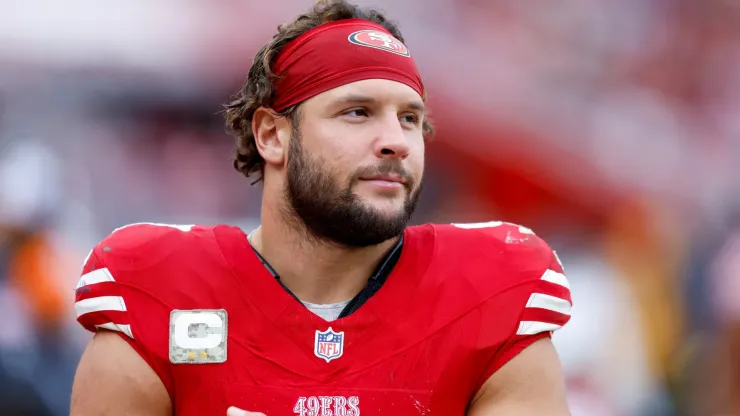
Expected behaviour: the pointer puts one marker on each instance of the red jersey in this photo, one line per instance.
(199, 306)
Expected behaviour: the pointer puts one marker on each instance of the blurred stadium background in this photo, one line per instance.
(611, 128)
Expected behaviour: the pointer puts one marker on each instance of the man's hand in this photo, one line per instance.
(235, 411)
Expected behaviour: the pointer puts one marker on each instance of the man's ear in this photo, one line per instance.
(269, 137)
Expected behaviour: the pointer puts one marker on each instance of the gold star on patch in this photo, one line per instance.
(204, 354)
(191, 355)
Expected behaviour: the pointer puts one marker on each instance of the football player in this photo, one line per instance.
(333, 306)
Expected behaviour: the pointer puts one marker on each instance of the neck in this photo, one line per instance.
(315, 270)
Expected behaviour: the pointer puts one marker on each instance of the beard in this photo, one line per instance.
(333, 213)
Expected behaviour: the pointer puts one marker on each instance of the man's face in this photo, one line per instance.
(356, 163)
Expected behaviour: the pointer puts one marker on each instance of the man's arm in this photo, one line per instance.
(113, 380)
(530, 384)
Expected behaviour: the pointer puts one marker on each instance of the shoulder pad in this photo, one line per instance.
(506, 232)
(133, 235)
(126, 259)
(143, 244)
(518, 244)
(531, 265)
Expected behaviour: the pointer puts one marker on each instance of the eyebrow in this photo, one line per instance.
(365, 99)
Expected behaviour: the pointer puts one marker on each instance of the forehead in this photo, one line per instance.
(377, 90)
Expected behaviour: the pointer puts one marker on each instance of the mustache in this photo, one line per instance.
(386, 167)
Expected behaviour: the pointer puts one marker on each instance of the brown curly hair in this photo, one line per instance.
(259, 89)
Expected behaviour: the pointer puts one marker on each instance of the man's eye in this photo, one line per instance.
(410, 119)
(356, 112)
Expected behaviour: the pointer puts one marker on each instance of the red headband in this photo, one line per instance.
(338, 53)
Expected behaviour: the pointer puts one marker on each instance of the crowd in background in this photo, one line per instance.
(609, 127)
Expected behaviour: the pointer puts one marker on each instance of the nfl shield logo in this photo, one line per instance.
(329, 345)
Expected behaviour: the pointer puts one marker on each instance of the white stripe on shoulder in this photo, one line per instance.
(95, 276)
(551, 303)
(535, 327)
(126, 329)
(100, 303)
(557, 278)
(87, 258)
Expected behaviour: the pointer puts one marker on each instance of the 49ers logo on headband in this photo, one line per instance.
(379, 40)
